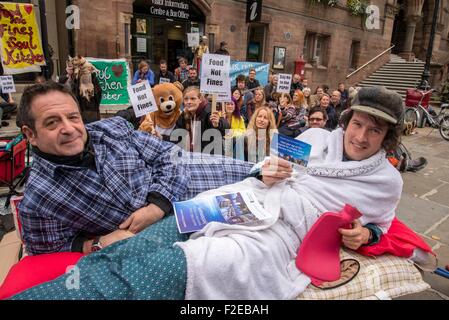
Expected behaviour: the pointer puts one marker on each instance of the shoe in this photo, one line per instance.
(416, 164)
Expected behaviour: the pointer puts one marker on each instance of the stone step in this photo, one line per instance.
(397, 74)
(405, 84)
(412, 70)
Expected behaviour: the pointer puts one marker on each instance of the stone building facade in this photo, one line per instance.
(331, 40)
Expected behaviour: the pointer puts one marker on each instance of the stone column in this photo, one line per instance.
(407, 53)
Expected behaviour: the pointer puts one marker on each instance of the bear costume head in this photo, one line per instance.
(168, 97)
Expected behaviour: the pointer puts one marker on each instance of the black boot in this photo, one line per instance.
(416, 164)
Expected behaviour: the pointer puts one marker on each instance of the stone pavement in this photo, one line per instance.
(424, 205)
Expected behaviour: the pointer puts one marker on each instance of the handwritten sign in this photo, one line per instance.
(114, 79)
(142, 98)
(215, 74)
(193, 39)
(7, 84)
(284, 83)
(20, 45)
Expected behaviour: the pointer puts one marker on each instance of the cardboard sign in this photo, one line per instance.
(284, 83)
(7, 84)
(215, 74)
(193, 39)
(114, 78)
(21, 48)
(142, 98)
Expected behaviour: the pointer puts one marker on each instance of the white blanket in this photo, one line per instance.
(240, 262)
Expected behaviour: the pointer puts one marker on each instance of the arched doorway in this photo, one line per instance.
(159, 29)
(399, 29)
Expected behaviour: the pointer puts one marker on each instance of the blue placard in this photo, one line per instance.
(295, 151)
(243, 67)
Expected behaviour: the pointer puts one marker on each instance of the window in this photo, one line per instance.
(316, 48)
(354, 55)
(127, 39)
(256, 42)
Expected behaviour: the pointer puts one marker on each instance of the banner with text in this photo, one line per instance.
(284, 83)
(142, 98)
(114, 78)
(242, 67)
(20, 45)
(7, 84)
(215, 74)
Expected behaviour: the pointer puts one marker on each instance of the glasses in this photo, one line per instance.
(316, 119)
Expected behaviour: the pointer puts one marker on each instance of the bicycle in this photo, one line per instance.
(437, 121)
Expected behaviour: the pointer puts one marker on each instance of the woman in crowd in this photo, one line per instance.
(257, 102)
(315, 99)
(238, 97)
(143, 73)
(197, 112)
(332, 121)
(238, 129)
(292, 114)
(259, 134)
(307, 98)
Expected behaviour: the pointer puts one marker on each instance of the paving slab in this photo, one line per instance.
(441, 196)
(420, 214)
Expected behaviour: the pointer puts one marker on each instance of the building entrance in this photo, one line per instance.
(159, 31)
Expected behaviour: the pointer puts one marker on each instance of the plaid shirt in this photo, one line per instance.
(63, 202)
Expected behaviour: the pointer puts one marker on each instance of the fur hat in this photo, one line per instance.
(379, 102)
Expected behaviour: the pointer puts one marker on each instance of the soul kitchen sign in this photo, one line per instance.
(20, 44)
(114, 79)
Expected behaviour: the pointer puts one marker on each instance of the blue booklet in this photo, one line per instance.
(290, 149)
(232, 208)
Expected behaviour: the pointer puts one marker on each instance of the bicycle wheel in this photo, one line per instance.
(411, 115)
(444, 127)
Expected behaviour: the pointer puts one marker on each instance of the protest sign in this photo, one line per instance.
(164, 80)
(224, 97)
(142, 98)
(284, 83)
(20, 45)
(215, 74)
(193, 39)
(243, 67)
(7, 84)
(114, 78)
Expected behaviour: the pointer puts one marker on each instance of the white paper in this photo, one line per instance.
(141, 44)
(284, 83)
(7, 84)
(164, 80)
(224, 97)
(193, 39)
(142, 98)
(215, 74)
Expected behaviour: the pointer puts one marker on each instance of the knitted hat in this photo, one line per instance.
(379, 102)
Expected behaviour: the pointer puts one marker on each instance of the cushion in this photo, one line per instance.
(383, 277)
(34, 270)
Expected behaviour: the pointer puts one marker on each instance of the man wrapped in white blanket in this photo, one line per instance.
(347, 166)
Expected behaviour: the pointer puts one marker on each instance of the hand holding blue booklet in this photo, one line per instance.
(232, 208)
(290, 149)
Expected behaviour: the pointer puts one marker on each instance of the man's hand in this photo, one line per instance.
(142, 218)
(276, 170)
(108, 239)
(215, 119)
(356, 237)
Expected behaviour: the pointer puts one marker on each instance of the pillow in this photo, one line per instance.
(382, 277)
(34, 270)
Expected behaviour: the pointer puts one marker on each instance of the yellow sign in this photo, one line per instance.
(20, 45)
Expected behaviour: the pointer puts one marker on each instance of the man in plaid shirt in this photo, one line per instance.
(90, 188)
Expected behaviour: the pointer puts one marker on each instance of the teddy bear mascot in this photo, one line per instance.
(168, 98)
